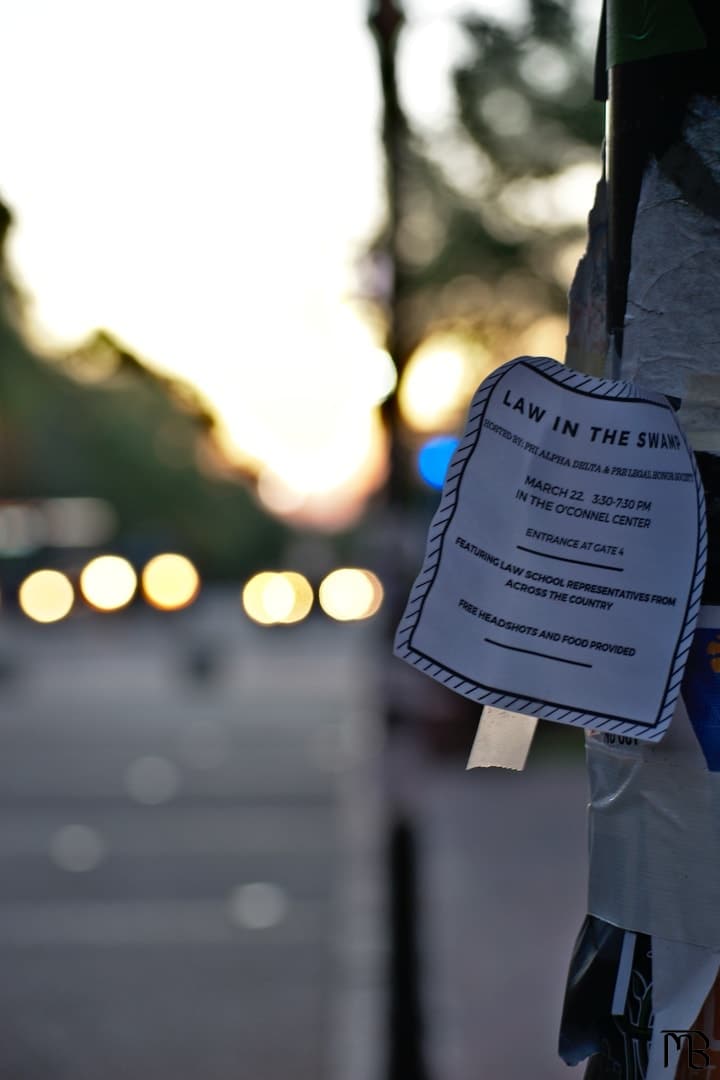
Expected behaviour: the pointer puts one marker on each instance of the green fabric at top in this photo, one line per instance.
(640, 29)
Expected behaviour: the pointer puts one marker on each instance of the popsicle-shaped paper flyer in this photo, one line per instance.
(564, 565)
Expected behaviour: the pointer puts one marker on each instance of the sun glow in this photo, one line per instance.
(222, 259)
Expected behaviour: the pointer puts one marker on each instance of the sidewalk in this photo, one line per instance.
(502, 876)
(503, 871)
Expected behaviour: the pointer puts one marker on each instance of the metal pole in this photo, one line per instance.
(626, 152)
(648, 99)
(385, 20)
(405, 1055)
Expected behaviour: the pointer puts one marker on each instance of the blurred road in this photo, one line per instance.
(190, 842)
(172, 849)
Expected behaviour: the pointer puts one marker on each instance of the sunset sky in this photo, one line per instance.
(198, 179)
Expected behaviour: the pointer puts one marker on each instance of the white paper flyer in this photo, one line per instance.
(564, 566)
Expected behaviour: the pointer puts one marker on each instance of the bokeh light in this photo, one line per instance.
(380, 375)
(170, 582)
(152, 780)
(77, 848)
(431, 384)
(350, 594)
(22, 529)
(434, 457)
(258, 905)
(439, 381)
(545, 336)
(267, 598)
(108, 583)
(271, 597)
(253, 598)
(46, 596)
(302, 596)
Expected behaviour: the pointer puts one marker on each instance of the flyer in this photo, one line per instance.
(564, 565)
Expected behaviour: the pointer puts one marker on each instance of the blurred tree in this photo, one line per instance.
(97, 422)
(483, 232)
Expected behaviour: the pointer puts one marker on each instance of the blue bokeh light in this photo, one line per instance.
(434, 458)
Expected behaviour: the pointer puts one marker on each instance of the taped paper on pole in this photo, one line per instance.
(564, 566)
(502, 741)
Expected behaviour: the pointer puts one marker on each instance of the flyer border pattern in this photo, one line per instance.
(484, 695)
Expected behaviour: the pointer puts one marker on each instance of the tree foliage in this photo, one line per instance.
(479, 221)
(98, 422)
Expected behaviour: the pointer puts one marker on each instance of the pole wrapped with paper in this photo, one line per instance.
(655, 810)
(565, 571)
